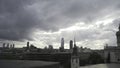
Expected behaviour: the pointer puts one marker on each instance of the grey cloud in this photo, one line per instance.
(19, 18)
(15, 22)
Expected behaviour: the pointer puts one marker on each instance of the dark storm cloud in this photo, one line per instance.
(15, 21)
(19, 18)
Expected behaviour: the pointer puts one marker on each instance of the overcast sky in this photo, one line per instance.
(42, 22)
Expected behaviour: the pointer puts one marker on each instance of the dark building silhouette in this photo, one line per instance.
(71, 44)
(118, 36)
(62, 45)
(7, 45)
(13, 45)
(3, 45)
(28, 45)
(75, 49)
(50, 47)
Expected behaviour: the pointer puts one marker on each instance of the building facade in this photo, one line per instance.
(112, 53)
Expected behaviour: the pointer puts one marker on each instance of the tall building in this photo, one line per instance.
(62, 43)
(28, 45)
(118, 36)
(3, 45)
(71, 44)
(7, 45)
(13, 45)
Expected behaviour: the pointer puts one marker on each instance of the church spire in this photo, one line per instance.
(75, 49)
(74, 42)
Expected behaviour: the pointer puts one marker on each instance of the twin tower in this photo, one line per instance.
(72, 44)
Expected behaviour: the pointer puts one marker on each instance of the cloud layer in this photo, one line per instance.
(97, 20)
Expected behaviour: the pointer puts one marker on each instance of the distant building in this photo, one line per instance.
(71, 44)
(50, 47)
(85, 49)
(8, 45)
(112, 53)
(13, 45)
(3, 45)
(62, 45)
(118, 36)
(28, 45)
(75, 49)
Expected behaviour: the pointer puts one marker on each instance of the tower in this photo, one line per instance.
(71, 44)
(13, 45)
(27, 44)
(118, 36)
(75, 49)
(7, 45)
(3, 45)
(62, 43)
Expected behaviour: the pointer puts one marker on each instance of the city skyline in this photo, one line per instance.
(43, 23)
